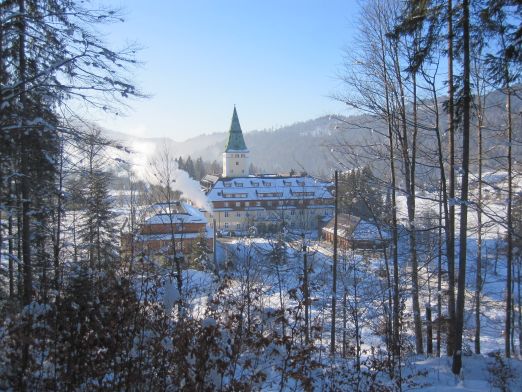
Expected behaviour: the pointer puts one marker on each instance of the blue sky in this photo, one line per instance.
(276, 60)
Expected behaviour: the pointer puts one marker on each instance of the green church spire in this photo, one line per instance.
(235, 136)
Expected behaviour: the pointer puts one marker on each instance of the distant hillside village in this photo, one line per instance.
(245, 204)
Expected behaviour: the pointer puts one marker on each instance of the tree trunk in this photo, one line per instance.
(417, 320)
(450, 238)
(478, 279)
(409, 173)
(25, 167)
(334, 268)
(519, 308)
(429, 331)
(443, 205)
(466, 108)
(58, 224)
(509, 292)
(10, 241)
(305, 293)
(394, 252)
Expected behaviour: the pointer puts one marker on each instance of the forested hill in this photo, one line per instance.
(301, 146)
(307, 145)
(273, 150)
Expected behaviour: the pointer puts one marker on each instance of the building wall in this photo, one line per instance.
(236, 164)
(185, 245)
(178, 228)
(152, 248)
(240, 218)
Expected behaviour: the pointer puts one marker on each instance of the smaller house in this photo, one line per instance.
(355, 233)
(167, 227)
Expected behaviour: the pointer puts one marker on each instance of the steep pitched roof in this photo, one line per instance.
(235, 136)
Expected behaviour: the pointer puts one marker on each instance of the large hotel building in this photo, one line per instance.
(242, 202)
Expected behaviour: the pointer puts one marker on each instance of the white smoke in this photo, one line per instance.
(161, 167)
(152, 162)
(141, 153)
(191, 189)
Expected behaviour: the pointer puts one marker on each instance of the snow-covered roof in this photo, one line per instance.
(175, 212)
(268, 187)
(349, 226)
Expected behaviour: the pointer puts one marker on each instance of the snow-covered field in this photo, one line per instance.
(254, 259)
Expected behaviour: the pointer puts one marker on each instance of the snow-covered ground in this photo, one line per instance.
(364, 270)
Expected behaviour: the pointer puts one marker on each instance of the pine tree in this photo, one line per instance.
(97, 230)
(190, 168)
(201, 252)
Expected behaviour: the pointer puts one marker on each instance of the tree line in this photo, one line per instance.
(197, 169)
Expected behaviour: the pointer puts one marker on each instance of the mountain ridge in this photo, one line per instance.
(308, 145)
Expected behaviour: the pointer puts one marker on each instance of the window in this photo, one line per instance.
(294, 193)
(292, 212)
(269, 203)
(247, 203)
(238, 214)
(237, 163)
(238, 226)
(234, 195)
(258, 203)
(226, 214)
(226, 204)
(238, 184)
(280, 202)
(226, 225)
(254, 183)
(270, 194)
(238, 204)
